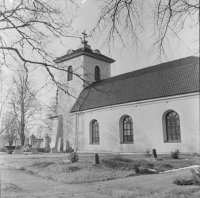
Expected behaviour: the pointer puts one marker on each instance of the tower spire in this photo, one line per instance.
(84, 43)
(84, 37)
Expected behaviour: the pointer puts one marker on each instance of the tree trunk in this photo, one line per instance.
(22, 113)
(22, 139)
(10, 144)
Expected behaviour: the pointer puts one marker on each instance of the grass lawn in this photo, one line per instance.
(111, 167)
(162, 163)
(86, 177)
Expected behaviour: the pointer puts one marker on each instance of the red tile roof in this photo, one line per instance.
(166, 79)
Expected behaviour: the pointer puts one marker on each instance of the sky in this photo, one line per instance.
(126, 60)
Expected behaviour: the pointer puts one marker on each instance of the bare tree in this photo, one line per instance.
(28, 27)
(24, 105)
(173, 17)
(10, 132)
(120, 19)
(5, 90)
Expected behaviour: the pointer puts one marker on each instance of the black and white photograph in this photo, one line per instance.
(99, 99)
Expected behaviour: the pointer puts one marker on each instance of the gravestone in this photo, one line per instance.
(97, 159)
(47, 141)
(32, 140)
(154, 153)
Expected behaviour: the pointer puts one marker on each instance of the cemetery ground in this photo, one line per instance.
(131, 175)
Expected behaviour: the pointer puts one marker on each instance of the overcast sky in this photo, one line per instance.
(126, 59)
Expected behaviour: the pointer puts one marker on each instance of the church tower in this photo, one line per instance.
(84, 67)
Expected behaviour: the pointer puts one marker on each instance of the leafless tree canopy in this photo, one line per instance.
(173, 16)
(24, 105)
(120, 18)
(27, 27)
(5, 90)
(9, 126)
(123, 18)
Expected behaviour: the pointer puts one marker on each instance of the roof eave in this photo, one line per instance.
(71, 56)
(135, 101)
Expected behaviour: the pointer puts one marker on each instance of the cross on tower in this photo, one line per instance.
(84, 37)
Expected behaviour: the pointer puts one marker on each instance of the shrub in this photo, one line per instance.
(122, 164)
(150, 165)
(18, 147)
(9, 151)
(146, 171)
(147, 153)
(140, 167)
(120, 159)
(42, 164)
(183, 182)
(196, 176)
(195, 180)
(27, 148)
(167, 166)
(47, 150)
(73, 168)
(195, 154)
(116, 164)
(118, 156)
(40, 150)
(175, 154)
(3, 149)
(137, 168)
(73, 157)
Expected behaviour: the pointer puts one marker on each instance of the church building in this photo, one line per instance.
(152, 108)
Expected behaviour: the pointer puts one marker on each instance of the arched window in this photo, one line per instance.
(172, 121)
(95, 132)
(97, 74)
(127, 129)
(70, 73)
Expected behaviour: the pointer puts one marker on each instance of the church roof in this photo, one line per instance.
(84, 51)
(166, 79)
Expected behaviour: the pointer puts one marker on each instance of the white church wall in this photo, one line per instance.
(84, 67)
(147, 126)
(89, 67)
(78, 130)
(67, 100)
(76, 84)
